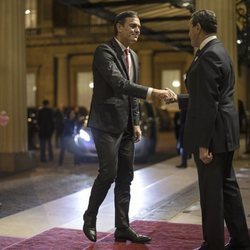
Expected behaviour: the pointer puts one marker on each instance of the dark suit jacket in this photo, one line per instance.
(114, 95)
(212, 121)
(45, 122)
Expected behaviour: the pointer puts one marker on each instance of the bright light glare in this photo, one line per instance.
(27, 12)
(84, 135)
(239, 41)
(176, 83)
(91, 85)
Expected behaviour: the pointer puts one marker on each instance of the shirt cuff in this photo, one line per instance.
(149, 93)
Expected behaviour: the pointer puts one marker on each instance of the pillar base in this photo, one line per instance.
(16, 162)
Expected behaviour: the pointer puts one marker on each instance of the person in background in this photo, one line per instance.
(69, 130)
(80, 114)
(4, 120)
(45, 122)
(58, 121)
(181, 150)
(242, 116)
(177, 124)
(114, 122)
(212, 134)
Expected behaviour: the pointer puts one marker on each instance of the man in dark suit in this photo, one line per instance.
(46, 127)
(114, 122)
(212, 134)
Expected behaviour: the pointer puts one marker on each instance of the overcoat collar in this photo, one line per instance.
(211, 43)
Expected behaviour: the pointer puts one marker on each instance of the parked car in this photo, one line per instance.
(85, 146)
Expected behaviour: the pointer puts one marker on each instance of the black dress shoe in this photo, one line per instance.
(123, 234)
(231, 247)
(182, 166)
(89, 228)
(202, 247)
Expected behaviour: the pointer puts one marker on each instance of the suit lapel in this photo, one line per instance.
(134, 65)
(209, 44)
(119, 54)
(212, 42)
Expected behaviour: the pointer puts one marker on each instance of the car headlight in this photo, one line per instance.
(84, 135)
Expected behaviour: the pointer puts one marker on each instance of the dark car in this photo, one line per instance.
(85, 146)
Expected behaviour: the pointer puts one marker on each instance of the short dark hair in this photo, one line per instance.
(121, 18)
(45, 102)
(207, 20)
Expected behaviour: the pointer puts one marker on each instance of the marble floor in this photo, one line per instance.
(159, 192)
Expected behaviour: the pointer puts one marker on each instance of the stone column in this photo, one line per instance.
(62, 80)
(226, 17)
(146, 64)
(14, 155)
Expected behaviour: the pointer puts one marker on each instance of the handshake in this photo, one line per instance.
(166, 95)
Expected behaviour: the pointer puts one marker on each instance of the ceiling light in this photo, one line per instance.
(176, 84)
(185, 5)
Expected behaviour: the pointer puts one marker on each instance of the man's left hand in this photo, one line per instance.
(137, 133)
(205, 156)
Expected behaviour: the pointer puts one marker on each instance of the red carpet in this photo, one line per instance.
(55, 239)
(165, 235)
(7, 241)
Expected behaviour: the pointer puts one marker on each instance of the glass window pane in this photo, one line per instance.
(84, 89)
(31, 90)
(30, 14)
(172, 79)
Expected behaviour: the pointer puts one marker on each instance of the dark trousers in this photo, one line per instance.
(220, 199)
(43, 142)
(116, 157)
(67, 144)
(184, 156)
(58, 138)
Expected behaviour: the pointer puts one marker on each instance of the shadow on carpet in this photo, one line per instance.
(165, 235)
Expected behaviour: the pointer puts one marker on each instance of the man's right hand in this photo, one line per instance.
(166, 95)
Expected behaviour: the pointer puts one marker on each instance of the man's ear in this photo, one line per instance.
(198, 27)
(118, 27)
